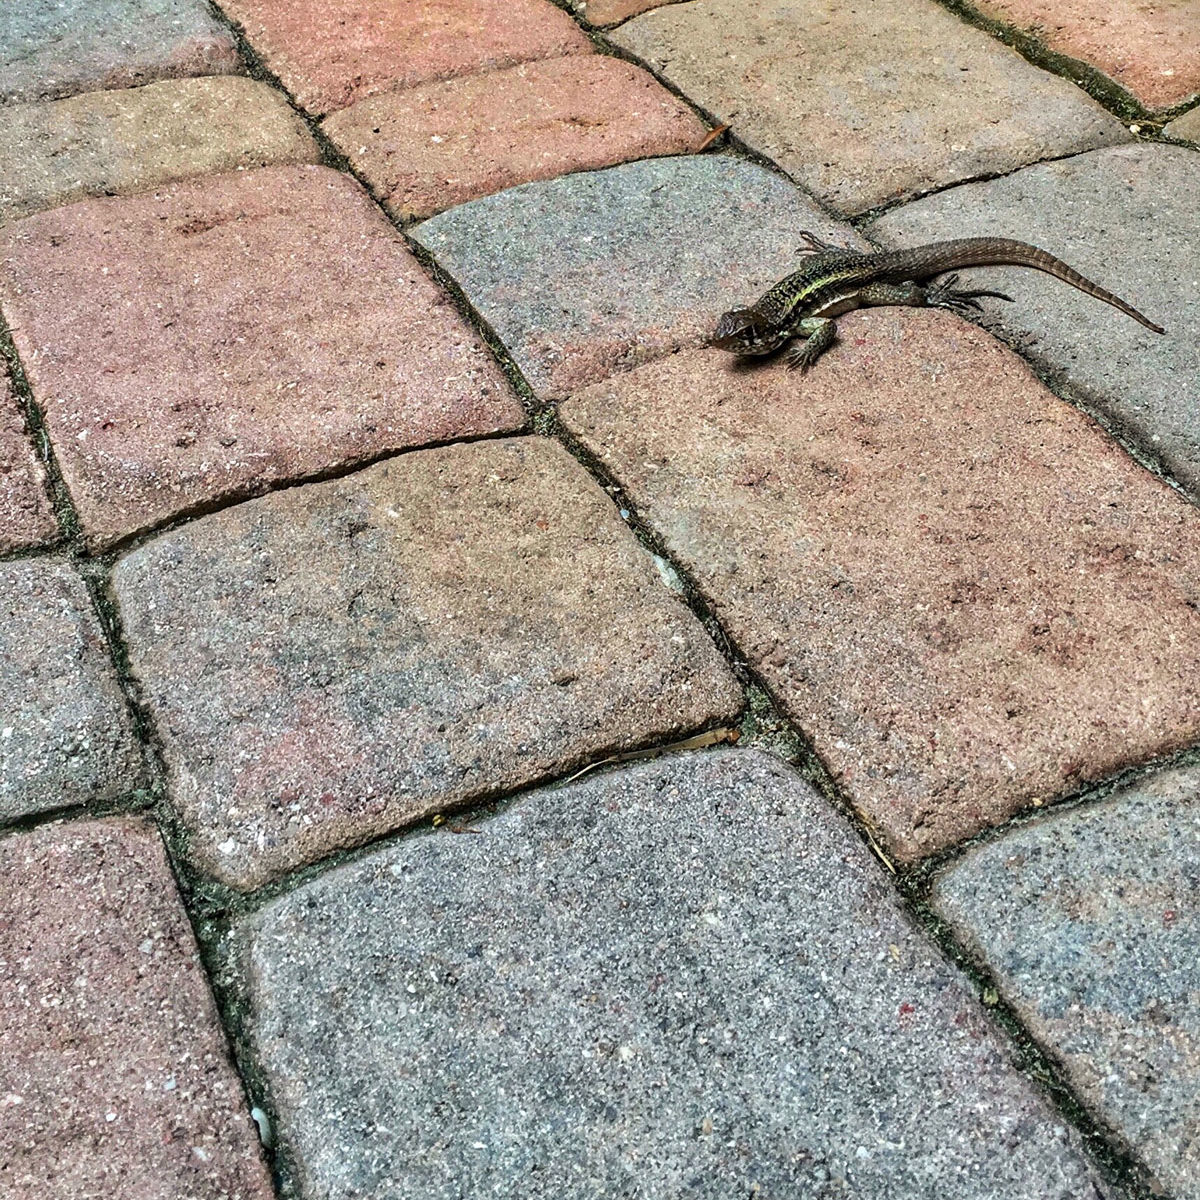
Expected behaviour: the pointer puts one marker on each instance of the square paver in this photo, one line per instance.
(334, 661)
(26, 518)
(967, 595)
(114, 1075)
(683, 979)
(427, 148)
(1089, 920)
(1125, 217)
(330, 53)
(135, 139)
(863, 105)
(601, 271)
(65, 733)
(52, 48)
(230, 333)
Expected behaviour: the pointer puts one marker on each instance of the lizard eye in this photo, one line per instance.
(736, 329)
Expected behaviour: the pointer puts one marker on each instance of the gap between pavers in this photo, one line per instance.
(26, 515)
(329, 663)
(962, 591)
(231, 333)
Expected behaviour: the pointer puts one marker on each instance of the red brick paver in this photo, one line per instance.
(330, 53)
(26, 518)
(228, 333)
(114, 1075)
(427, 148)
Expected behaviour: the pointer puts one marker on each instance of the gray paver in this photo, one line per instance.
(49, 49)
(1125, 217)
(1186, 128)
(1090, 921)
(26, 518)
(863, 106)
(331, 662)
(65, 734)
(598, 272)
(114, 1077)
(961, 588)
(682, 979)
(134, 139)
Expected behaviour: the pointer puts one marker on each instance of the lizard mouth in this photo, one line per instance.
(738, 331)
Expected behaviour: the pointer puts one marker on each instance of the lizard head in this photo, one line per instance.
(744, 331)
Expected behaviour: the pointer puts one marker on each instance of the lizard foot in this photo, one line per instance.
(959, 300)
(816, 245)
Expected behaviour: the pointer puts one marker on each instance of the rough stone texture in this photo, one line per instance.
(687, 978)
(109, 143)
(114, 1077)
(864, 106)
(1186, 128)
(607, 12)
(965, 593)
(65, 736)
(427, 148)
(1126, 218)
(26, 518)
(49, 49)
(599, 272)
(1150, 47)
(1090, 921)
(229, 333)
(330, 53)
(329, 663)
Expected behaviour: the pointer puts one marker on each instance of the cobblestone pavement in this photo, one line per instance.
(463, 736)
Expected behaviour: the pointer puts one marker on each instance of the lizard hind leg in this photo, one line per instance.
(819, 334)
(945, 295)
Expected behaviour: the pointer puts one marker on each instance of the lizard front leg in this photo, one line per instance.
(819, 334)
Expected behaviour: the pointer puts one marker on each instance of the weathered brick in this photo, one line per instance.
(26, 518)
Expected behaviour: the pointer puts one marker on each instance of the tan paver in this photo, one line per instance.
(114, 1077)
(1150, 47)
(334, 661)
(865, 105)
(1186, 128)
(330, 53)
(26, 518)
(424, 149)
(966, 594)
(228, 333)
(135, 139)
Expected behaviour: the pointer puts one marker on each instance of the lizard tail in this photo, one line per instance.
(923, 262)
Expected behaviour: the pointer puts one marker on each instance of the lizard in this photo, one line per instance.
(836, 279)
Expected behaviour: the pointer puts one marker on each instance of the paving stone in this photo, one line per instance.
(26, 518)
(1125, 217)
(110, 143)
(331, 662)
(330, 53)
(608, 12)
(51, 50)
(597, 272)
(862, 109)
(965, 593)
(427, 148)
(1186, 128)
(65, 735)
(1089, 920)
(684, 978)
(230, 333)
(114, 1074)
(1150, 49)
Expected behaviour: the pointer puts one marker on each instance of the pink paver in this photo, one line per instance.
(226, 334)
(966, 594)
(425, 149)
(1150, 47)
(114, 1075)
(26, 518)
(330, 53)
(608, 12)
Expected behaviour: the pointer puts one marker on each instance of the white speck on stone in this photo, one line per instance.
(147, 947)
(202, 1154)
(227, 847)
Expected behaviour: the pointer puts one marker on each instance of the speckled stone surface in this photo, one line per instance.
(592, 274)
(331, 662)
(1150, 47)
(65, 734)
(1090, 921)
(228, 333)
(962, 590)
(865, 109)
(135, 139)
(331, 53)
(424, 149)
(26, 518)
(114, 1075)
(606, 12)
(1125, 217)
(686, 978)
(51, 48)
(1186, 128)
